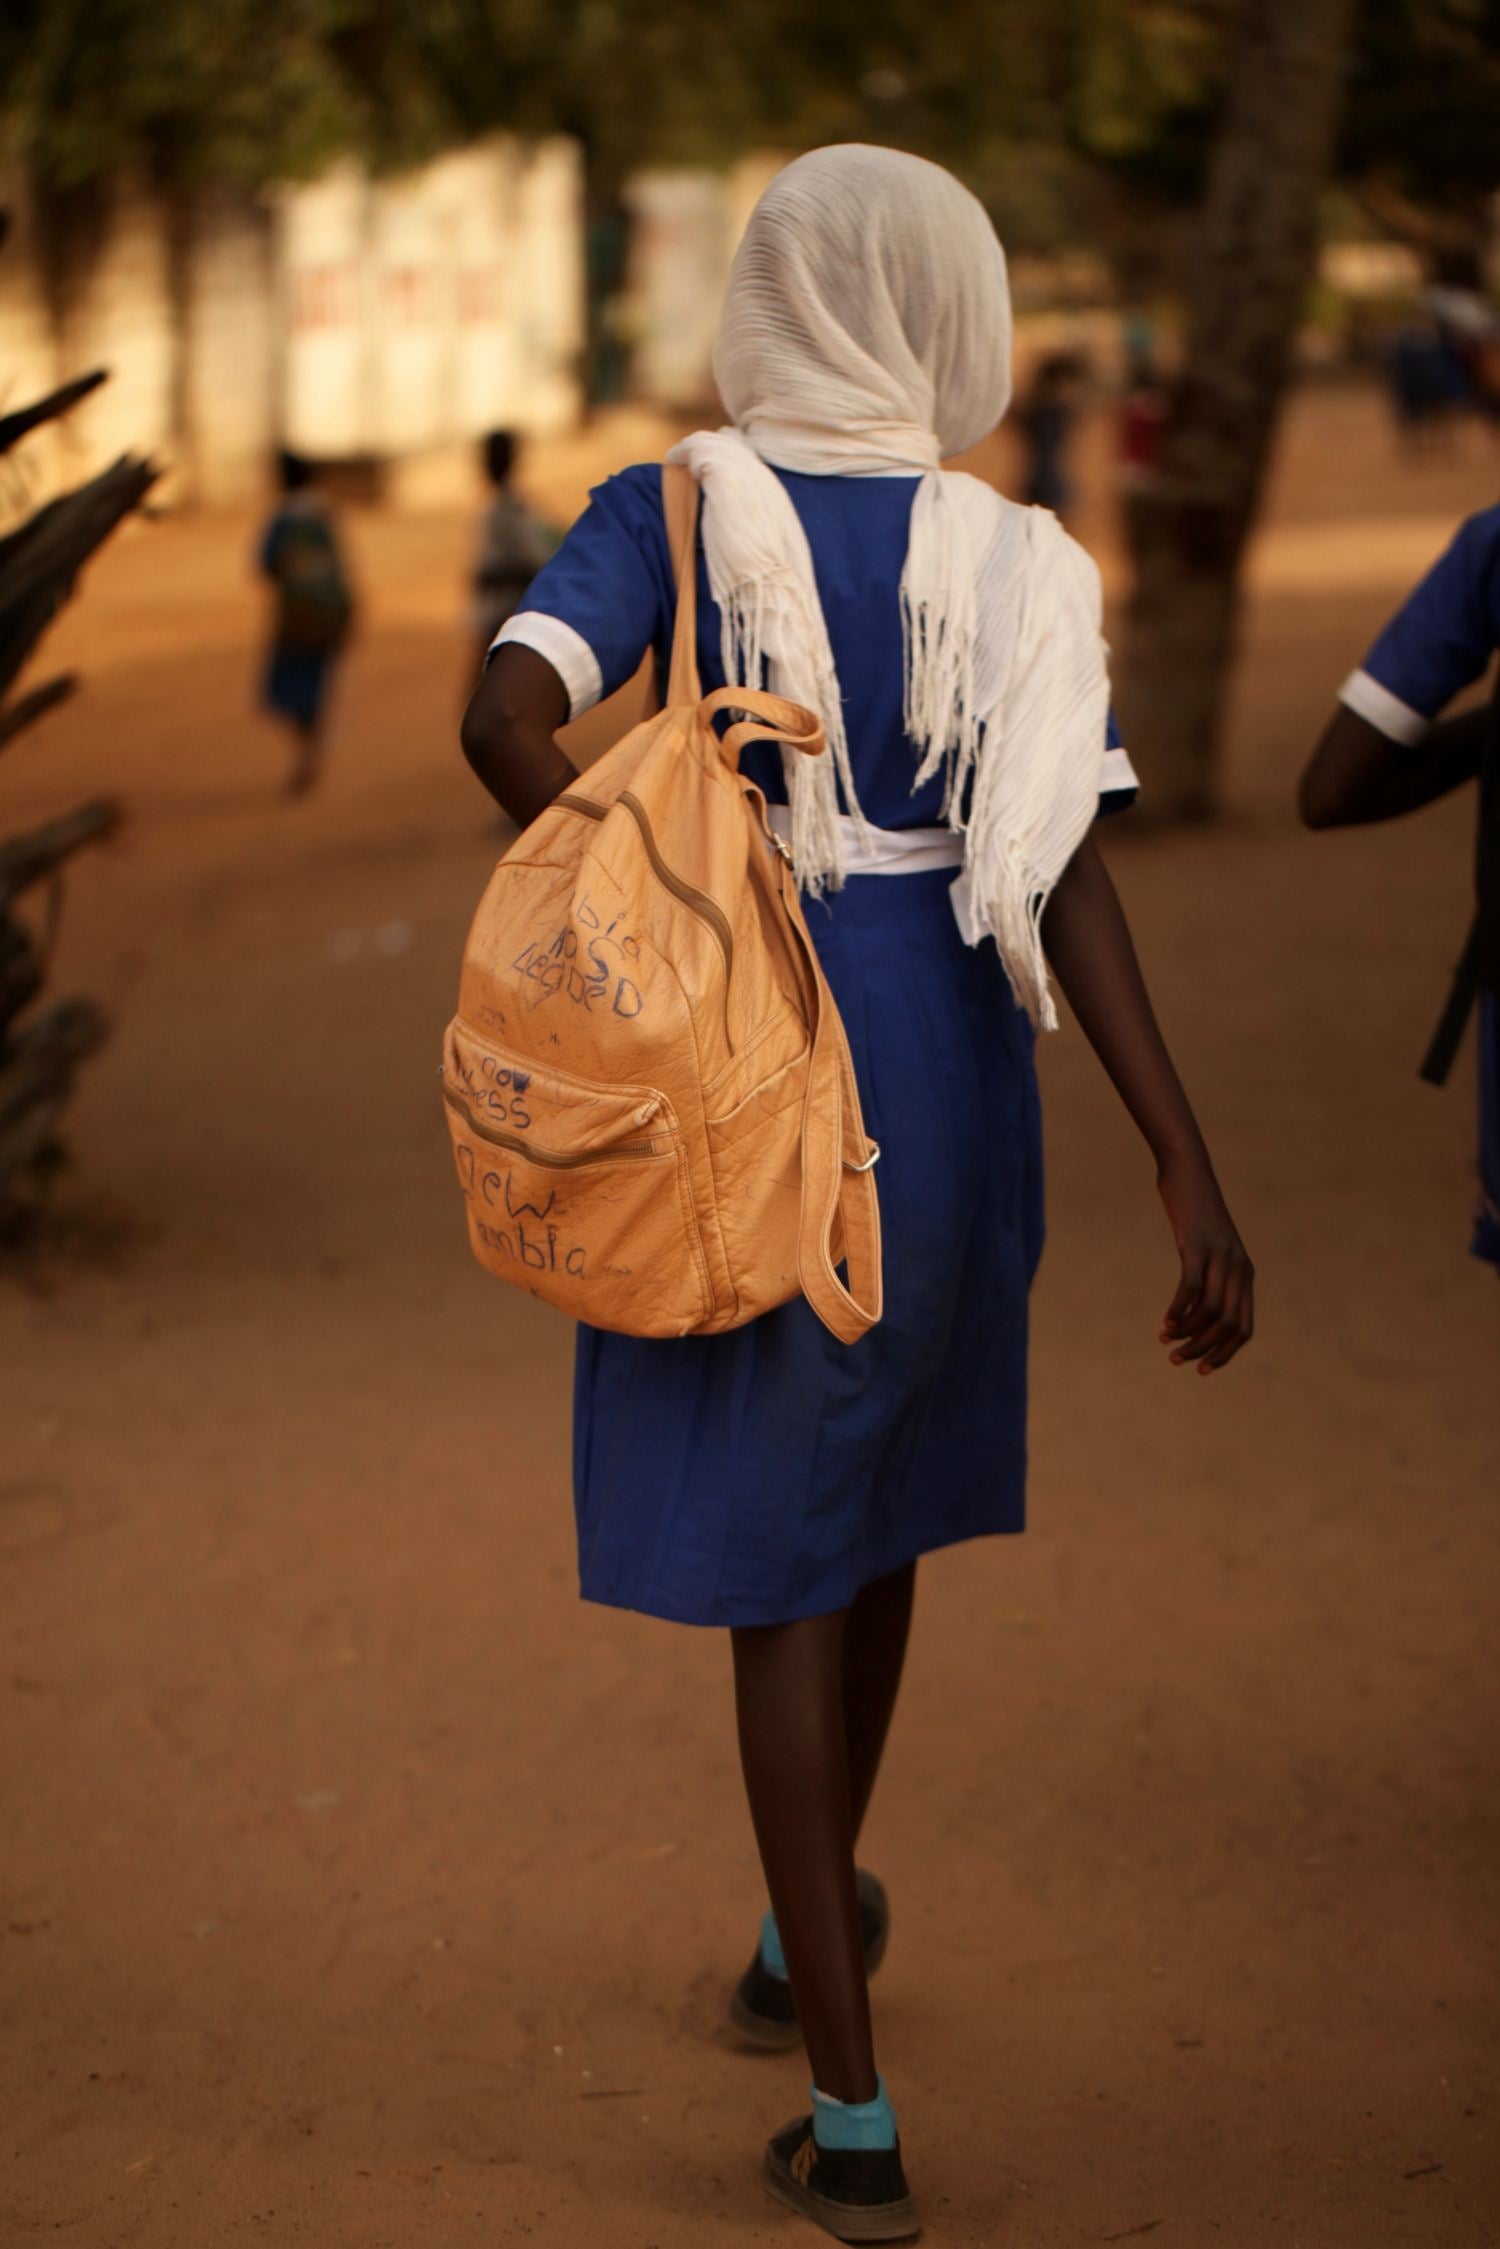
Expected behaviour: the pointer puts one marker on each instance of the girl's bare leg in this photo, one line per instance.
(874, 1652)
(789, 1694)
(307, 759)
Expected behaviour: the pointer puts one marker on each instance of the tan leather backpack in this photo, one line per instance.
(653, 1110)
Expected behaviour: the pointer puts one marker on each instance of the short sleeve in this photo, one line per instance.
(1439, 642)
(1118, 785)
(597, 606)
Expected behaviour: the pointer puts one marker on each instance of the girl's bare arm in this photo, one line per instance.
(509, 732)
(1357, 774)
(1212, 1314)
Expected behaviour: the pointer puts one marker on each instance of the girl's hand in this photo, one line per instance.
(1212, 1316)
(1088, 944)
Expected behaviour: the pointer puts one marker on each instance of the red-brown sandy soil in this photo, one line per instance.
(361, 1888)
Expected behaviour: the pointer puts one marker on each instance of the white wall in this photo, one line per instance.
(479, 192)
(679, 258)
(421, 311)
(685, 228)
(547, 301)
(122, 320)
(322, 295)
(395, 319)
(231, 363)
(29, 361)
(411, 312)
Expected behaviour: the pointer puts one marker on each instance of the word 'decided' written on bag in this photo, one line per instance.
(653, 1110)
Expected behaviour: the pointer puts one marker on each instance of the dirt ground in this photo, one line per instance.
(361, 1888)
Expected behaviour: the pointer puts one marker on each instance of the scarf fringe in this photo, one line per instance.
(1006, 687)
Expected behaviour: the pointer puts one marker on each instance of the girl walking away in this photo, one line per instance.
(772, 1480)
(1382, 755)
(314, 612)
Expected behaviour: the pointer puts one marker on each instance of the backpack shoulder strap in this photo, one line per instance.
(1462, 993)
(840, 1207)
(679, 499)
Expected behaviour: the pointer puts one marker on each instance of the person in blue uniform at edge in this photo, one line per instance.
(773, 1480)
(1387, 752)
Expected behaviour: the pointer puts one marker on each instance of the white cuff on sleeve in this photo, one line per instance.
(1381, 709)
(565, 650)
(1116, 772)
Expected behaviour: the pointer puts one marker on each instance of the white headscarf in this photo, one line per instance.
(866, 332)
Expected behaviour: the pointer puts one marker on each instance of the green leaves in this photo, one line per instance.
(1074, 118)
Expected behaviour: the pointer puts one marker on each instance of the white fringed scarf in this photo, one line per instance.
(866, 332)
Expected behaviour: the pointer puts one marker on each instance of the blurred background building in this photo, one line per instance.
(381, 325)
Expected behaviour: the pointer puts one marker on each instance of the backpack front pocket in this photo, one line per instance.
(757, 1158)
(576, 1192)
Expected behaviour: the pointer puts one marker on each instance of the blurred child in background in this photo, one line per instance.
(1430, 386)
(314, 611)
(513, 545)
(1382, 756)
(1045, 415)
(1143, 421)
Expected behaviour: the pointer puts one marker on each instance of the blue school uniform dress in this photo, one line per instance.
(1438, 643)
(769, 1473)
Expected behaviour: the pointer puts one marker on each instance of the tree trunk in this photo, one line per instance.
(177, 221)
(1252, 258)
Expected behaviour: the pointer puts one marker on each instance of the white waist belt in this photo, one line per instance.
(883, 851)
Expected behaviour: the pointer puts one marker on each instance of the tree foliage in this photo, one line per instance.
(1421, 131)
(184, 91)
(1065, 114)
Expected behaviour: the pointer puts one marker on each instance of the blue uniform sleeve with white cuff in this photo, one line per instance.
(599, 604)
(1440, 640)
(1118, 785)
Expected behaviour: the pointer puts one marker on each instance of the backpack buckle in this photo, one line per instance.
(871, 1160)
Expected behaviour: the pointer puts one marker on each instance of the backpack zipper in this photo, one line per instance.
(554, 1162)
(708, 910)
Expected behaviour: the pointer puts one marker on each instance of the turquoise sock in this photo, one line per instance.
(772, 1958)
(854, 2124)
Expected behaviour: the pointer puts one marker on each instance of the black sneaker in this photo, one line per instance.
(761, 2007)
(856, 2194)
